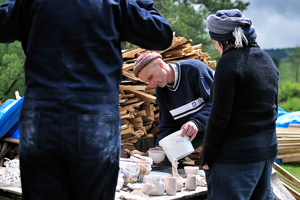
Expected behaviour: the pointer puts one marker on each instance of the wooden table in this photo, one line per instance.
(11, 192)
(14, 192)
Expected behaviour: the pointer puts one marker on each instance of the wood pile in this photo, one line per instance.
(289, 144)
(138, 108)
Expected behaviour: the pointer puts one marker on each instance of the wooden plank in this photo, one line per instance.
(292, 159)
(128, 95)
(136, 120)
(288, 136)
(122, 101)
(288, 140)
(212, 63)
(11, 189)
(138, 125)
(141, 113)
(289, 144)
(198, 46)
(132, 53)
(285, 173)
(131, 101)
(151, 92)
(289, 147)
(297, 126)
(144, 96)
(127, 67)
(131, 76)
(11, 140)
(133, 105)
(133, 87)
(124, 112)
(294, 192)
(290, 155)
(125, 126)
(128, 116)
(128, 130)
(288, 151)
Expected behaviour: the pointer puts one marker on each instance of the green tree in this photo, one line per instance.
(289, 96)
(289, 66)
(187, 18)
(11, 70)
(214, 5)
(294, 59)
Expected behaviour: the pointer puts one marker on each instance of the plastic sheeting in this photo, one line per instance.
(9, 116)
(281, 112)
(284, 120)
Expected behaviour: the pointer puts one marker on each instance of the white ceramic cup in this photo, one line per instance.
(191, 182)
(191, 170)
(171, 185)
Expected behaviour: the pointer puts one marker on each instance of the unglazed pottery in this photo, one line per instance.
(147, 187)
(191, 170)
(159, 186)
(191, 183)
(171, 185)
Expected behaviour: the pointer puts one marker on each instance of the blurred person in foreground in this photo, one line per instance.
(183, 94)
(240, 142)
(70, 122)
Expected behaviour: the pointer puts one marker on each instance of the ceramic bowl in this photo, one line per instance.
(191, 170)
(157, 155)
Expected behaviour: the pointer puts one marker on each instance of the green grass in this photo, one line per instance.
(293, 169)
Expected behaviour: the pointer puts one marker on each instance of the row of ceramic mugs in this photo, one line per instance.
(157, 185)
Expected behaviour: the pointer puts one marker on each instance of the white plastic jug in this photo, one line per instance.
(176, 146)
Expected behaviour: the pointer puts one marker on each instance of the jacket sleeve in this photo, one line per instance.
(143, 25)
(167, 124)
(10, 27)
(224, 87)
(202, 85)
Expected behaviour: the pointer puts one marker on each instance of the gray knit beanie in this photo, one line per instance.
(230, 24)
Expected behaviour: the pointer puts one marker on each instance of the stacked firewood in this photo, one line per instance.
(289, 144)
(138, 108)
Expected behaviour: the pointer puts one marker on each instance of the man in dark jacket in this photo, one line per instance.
(183, 94)
(69, 123)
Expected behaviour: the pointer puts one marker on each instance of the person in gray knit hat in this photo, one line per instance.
(240, 143)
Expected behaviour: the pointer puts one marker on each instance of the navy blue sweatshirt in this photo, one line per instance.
(73, 47)
(241, 126)
(189, 100)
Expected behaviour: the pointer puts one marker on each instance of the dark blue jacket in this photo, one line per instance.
(241, 126)
(189, 100)
(73, 47)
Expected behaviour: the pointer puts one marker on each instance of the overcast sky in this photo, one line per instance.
(276, 21)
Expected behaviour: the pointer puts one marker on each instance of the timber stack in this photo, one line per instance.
(289, 144)
(138, 107)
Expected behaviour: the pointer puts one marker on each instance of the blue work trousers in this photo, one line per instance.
(69, 151)
(251, 181)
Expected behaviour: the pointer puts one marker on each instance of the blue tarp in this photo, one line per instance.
(9, 116)
(281, 112)
(288, 118)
